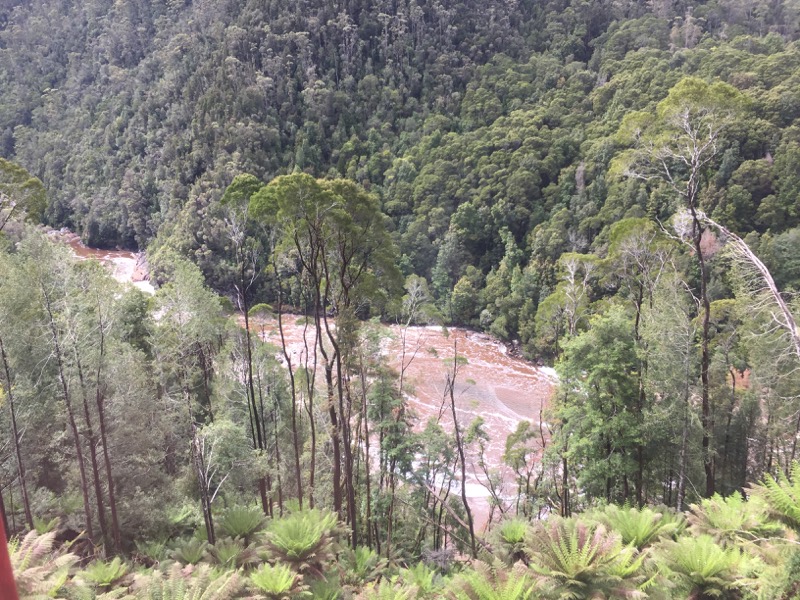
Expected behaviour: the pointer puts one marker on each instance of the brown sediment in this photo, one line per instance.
(500, 388)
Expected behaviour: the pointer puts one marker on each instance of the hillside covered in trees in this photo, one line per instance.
(608, 187)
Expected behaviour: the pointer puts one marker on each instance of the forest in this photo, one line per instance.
(609, 188)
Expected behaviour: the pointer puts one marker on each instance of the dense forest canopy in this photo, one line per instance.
(609, 187)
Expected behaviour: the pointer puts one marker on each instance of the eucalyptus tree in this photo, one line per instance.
(249, 263)
(22, 196)
(599, 372)
(678, 146)
(186, 336)
(12, 328)
(336, 233)
(638, 255)
(47, 269)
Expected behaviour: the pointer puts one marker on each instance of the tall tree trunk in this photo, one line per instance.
(26, 505)
(92, 440)
(707, 416)
(451, 382)
(368, 477)
(101, 415)
(293, 389)
(3, 515)
(65, 396)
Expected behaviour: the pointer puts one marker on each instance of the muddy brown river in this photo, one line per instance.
(501, 388)
(491, 384)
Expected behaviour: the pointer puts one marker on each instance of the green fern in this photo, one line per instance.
(732, 521)
(153, 550)
(361, 565)
(427, 581)
(43, 526)
(40, 571)
(86, 593)
(243, 522)
(492, 583)
(326, 589)
(104, 574)
(232, 554)
(782, 496)
(278, 582)
(640, 527)
(387, 590)
(579, 560)
(190, 552)
(190, 583)
(703, 569)
(303, 539)
(510, 541)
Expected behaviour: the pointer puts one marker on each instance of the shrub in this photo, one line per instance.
(278, 582)
(242, 522)
(39, 570)
(105, 574)
(577, 560)
(703, 569)
(641, 527)
(303, 539)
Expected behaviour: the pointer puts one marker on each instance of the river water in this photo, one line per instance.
(491, 383)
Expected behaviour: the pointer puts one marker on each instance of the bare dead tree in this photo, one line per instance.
(760, 286)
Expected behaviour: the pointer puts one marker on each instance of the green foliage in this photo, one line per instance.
(782, 495)
(732, 521)
(190, 552)
(43, 526)
(426, 580)
(152, 549)
(40, 572)
(361, 565)
(190, 584)
(302, 539)
(575, 559)
(510, 538)
(243, 522)
(704, 569)
(387, 590)
(487, 582)
(105, 574)
(22, 196)
(326, 588)
(278, 582)
(641, 527)
(232, 554)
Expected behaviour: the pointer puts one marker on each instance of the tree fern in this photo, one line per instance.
(640, 527)
(491, 583)
(39, 570)
(190, 552)
(360, 566)
(509, 538)
(104, 574)
(278, 582)
(231, 554)
(428, 581)
(191, 584)
(703, 569)
(387, 590)
(732, 521)
(578, 560)
(243, 522)
(302, 539)
(782, 496)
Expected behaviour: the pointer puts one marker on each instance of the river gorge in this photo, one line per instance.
(491, 382)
